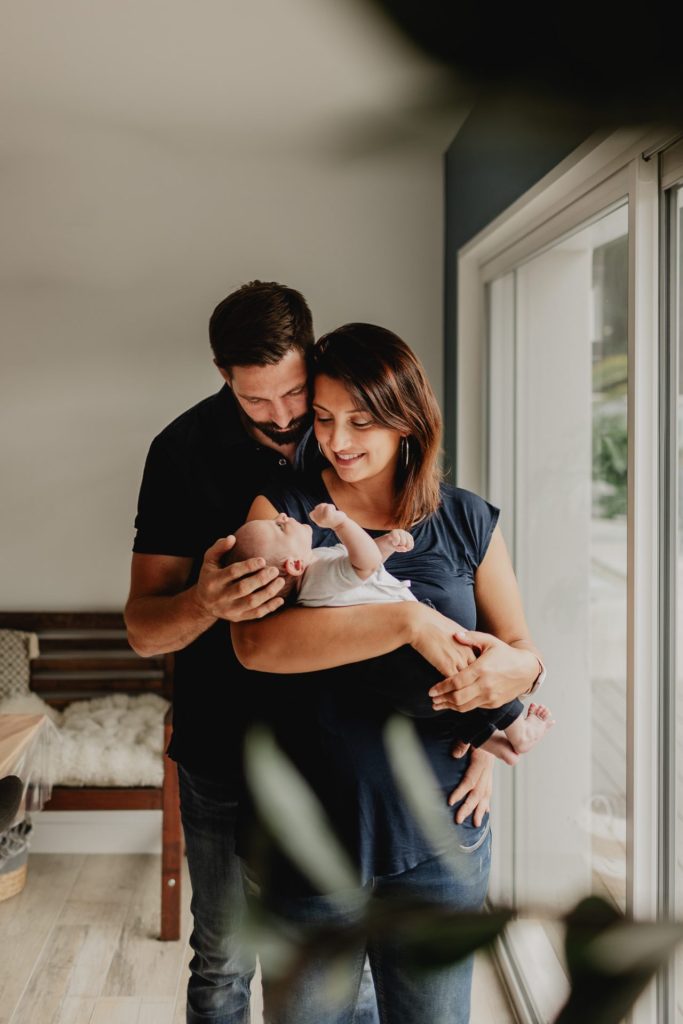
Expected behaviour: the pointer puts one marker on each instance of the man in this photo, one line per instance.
(201, 475)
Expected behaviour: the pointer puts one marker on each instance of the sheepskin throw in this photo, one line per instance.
(107, 741)
(16, 651)
(113, 741)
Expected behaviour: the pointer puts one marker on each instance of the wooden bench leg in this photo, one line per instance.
(171, 854)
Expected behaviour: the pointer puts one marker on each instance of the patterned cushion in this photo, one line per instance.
(16, 651)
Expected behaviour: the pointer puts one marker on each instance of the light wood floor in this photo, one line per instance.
(79, 946)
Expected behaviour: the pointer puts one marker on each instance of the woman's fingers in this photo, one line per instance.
(475, 787)
(473, 638)
(460, 700)
(465, 677)
(481, 809)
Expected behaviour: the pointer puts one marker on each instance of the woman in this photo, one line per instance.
(378, 425)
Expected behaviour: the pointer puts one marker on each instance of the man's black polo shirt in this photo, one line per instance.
(201, 475)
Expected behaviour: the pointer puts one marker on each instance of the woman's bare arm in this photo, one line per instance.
(308, 639)
(509, 661)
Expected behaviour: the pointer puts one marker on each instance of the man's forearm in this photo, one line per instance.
(162, 624)
(311, 639)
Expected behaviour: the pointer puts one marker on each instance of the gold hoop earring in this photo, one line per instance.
(405, 451)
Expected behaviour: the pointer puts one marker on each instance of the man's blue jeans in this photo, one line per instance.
(440, 996)
(221, 972)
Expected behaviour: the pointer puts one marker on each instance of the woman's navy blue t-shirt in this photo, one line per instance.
(332, 728)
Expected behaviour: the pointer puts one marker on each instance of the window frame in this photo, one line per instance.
(608, 169)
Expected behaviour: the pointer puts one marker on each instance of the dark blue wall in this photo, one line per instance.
(497, 155)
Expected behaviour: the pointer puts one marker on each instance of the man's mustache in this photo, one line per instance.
(282, 435)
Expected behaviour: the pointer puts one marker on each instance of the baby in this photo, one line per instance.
(351, 573)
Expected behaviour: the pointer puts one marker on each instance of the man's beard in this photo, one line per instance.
(293, 432)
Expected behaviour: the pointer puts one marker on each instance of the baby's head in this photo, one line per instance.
(283, 542)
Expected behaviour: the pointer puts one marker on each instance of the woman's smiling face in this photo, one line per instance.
(355, 445)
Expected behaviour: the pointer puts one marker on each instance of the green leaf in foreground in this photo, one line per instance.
(611, 960)
(425, 937)
(431, 935)
(295, 816)
(417, 784)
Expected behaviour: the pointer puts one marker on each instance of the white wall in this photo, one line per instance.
(151, 161)
(119, 236)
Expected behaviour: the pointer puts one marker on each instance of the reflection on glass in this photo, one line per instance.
(565, 513)
(677, 339)
(608, 570)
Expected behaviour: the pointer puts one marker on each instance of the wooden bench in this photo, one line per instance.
(84, 655)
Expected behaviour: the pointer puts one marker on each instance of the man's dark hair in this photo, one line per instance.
(258, 324)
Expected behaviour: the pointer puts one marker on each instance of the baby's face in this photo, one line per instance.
(282, 538)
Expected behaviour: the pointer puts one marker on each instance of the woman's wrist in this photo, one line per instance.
(540, 678)
(407, 622)
(536, 667)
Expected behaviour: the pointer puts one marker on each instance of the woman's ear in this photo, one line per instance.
(293, 566)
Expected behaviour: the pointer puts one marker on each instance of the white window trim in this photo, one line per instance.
(605, 170)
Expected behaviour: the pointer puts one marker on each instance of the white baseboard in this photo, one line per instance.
(96, 832)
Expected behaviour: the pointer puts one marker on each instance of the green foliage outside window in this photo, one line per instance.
(610, 437)
(610, 465)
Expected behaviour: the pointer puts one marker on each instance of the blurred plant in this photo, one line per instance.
(610, 464)
(610, 376)
(610, 957)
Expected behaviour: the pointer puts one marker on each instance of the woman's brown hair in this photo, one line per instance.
(386, 378)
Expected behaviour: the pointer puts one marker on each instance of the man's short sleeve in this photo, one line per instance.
(165, 521)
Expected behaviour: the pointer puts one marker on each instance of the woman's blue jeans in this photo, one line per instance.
(220, 971)
(440, 996)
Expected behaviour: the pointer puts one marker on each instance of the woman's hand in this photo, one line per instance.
(500, 673)
(433, 636)
(476, 787)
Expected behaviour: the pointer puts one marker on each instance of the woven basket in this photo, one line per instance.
(12, 882)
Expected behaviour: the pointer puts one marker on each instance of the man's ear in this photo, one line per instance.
(224, 374)
(293, 566)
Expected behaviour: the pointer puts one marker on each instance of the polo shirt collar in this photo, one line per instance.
(232, 432)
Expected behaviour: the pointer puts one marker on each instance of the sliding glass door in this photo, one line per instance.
(558, 457)
(675, 591)
(570, 320)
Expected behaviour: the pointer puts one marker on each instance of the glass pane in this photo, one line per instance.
(677, 340)
(570, 516)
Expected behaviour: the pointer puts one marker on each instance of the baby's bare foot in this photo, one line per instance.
(526, 732)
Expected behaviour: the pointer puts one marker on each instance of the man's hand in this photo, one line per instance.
(433, 636)
(475, 787)
(327, 516)
(244, 590)
(498, 675)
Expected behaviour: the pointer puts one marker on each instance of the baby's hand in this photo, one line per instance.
(327, 516)
(400, 540)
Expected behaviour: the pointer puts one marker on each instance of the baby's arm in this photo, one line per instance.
(395, 540)
(365, 553)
